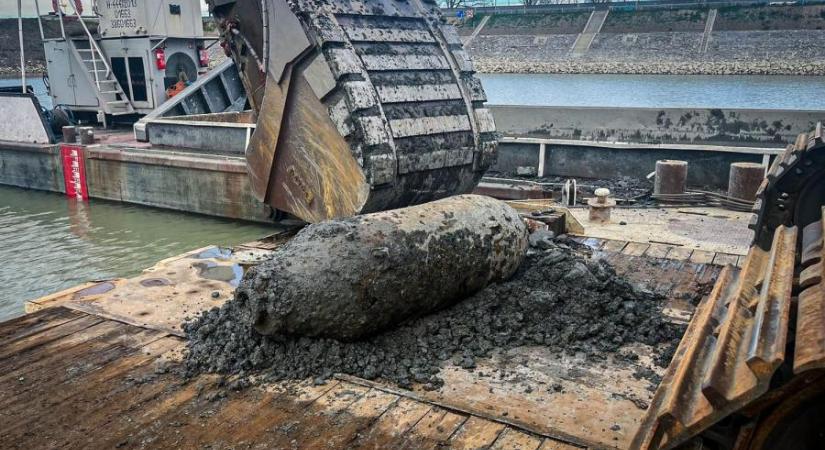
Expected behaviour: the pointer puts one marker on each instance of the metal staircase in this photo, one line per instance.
(110, 94)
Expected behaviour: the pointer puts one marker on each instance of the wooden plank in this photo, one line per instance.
(392, 424)
(702, 257)
(37, 385)
(30, 324)
(433, 430)
(50, 334)
(52, 407)
(614, 246)
(373, 404)
(512, 439)
(67, 348)
(284, 421)
(635, 248)
(476, 433)
(340, 397)
(220, 417)
(552, 444)
(597, 398)
(740, 261)
(723, 259)
(355, 420)
(308, 425)
(679, 253)
(658, 250)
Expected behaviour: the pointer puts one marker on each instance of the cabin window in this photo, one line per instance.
(131, 75)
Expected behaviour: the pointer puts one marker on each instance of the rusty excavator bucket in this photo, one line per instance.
(748, 374)
(361, 106)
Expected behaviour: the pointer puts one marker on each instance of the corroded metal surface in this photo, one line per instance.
(794, 188)
(810, 325)
(737, 357)
(731, 349)
(361, 106)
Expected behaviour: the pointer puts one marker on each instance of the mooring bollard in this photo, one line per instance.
(87, 135)
(69, 134)
(744, 180)
(600, 206)
(671, 177)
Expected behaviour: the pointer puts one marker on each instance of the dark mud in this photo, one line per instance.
(560, 298)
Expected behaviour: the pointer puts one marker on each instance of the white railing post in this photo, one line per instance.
(92, 43)
(94, 62)
(22, 50)
(39, 19)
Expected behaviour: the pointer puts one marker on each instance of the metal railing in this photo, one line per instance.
(94, 49)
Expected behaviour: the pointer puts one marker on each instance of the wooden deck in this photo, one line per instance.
(74, 380)
(98, 369)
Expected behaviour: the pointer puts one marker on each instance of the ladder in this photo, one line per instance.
(110, 94)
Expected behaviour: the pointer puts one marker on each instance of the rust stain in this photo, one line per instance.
(100, 288)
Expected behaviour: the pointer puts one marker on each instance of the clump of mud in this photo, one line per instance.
(560, 298)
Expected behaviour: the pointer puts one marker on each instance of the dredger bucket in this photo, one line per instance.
(361, 105)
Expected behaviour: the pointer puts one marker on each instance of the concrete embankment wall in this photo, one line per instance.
(580, 142)
(657, 125)
(708, 166)
(744, 40)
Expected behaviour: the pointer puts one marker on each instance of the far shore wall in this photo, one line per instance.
(595, 142)
(765, 40)
(748, 127)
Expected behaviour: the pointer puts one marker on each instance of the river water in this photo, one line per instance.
(49, 242)
(645, 91)
(657, 91)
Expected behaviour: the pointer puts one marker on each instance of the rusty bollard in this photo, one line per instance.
(87, 135)
(671, 177)
(600, 206)
(744, 180)
(69, 134)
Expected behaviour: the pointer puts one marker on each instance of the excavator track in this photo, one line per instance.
(750, 365)
(361, 106)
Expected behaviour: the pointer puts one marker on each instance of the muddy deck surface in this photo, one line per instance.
(89, 375)
(80, 381)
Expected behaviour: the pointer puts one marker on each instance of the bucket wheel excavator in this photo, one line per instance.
(361, 106)
(749, 374)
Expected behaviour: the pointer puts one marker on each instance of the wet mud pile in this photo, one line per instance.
(559, 298)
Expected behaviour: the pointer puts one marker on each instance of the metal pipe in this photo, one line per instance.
(22, 51)
(60, 16)
(39, 20)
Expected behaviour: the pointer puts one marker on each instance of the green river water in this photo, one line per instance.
(49, 243)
